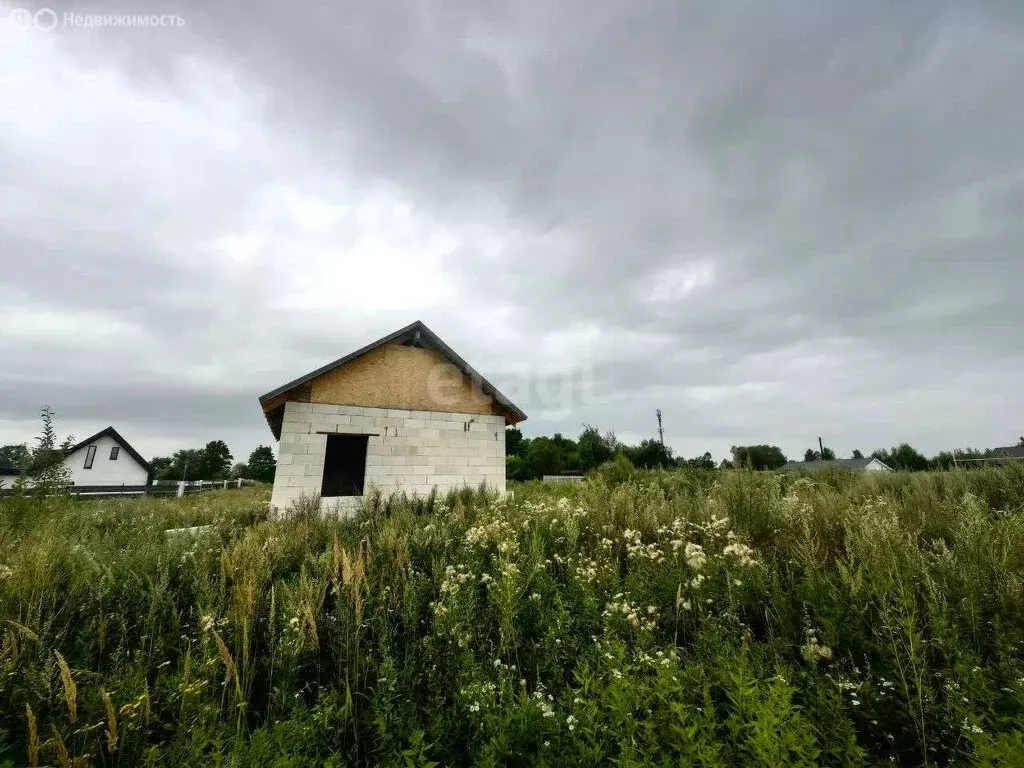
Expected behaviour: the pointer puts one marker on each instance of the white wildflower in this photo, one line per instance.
(695, 557)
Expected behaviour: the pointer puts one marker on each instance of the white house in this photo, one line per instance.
(106, 459)
(403, 414)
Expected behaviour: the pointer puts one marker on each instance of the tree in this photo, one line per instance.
(546, 456)
(516, 468)
(903, 456)
(47, 439)
(944, 460)
(594, 449)
(45, 464)
(159, 465)
(826, 454)
(215, 461)
(240, 470)
(701, 462)
(14, 455)
(262, 464)
(650, 454)
(758, 457)
(186, 464)
(515, 443)
(857, 454)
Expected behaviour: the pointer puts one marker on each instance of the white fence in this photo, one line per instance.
(181, 488)
(165, 488)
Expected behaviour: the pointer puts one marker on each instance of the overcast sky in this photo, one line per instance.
(772, 220)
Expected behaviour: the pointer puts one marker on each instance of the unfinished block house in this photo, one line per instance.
(403, 414)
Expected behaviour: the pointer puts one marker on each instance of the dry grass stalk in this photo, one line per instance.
(111, 723)
(70, 689)
(314, 638)
(346, 568)
(336, 558)
(360, 574)
(225, 655)
(359, 606)
(33, 738)
(61, 749)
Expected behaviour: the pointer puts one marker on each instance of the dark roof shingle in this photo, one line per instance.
(1009, 452)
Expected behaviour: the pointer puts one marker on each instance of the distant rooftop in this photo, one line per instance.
(812, 466)
(1009, 452)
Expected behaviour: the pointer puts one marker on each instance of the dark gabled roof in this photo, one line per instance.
(415, 334)
(111, 432)
(811, 466)
(9, 469)
(1009, 452)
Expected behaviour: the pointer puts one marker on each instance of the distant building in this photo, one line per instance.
(404, 413)
(104, 460)
(1011, 452)
(997, 456)
(868, 464)
(8, 474)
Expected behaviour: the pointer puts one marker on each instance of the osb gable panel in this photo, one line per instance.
(394, 376)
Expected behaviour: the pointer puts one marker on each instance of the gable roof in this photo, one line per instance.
(1009, 452)
(7, 468)
(852, 464)
(111, 432)
(415, 334)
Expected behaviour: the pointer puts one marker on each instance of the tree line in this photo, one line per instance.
(214, 462)
(525, 458)
(531, 458)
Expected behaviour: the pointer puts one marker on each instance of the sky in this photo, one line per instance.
(772, 221)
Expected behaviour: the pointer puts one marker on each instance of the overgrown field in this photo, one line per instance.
(684, 618)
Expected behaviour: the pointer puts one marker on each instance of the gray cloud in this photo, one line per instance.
(769, 220)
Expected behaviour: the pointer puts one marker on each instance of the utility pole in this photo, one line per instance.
(821, 448)
(661, 432)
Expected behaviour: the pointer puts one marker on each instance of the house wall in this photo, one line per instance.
(398, 377)
(124, 471)
(7, 481)
(408, 450)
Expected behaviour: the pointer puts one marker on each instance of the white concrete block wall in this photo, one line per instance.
(407, 451)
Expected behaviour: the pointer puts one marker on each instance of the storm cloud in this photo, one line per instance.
(770, 220)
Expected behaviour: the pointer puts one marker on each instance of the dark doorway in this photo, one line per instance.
(344, 465)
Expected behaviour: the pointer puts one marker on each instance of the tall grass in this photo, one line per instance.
(683, 618)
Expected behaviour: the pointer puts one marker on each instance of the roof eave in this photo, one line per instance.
(418, 326)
